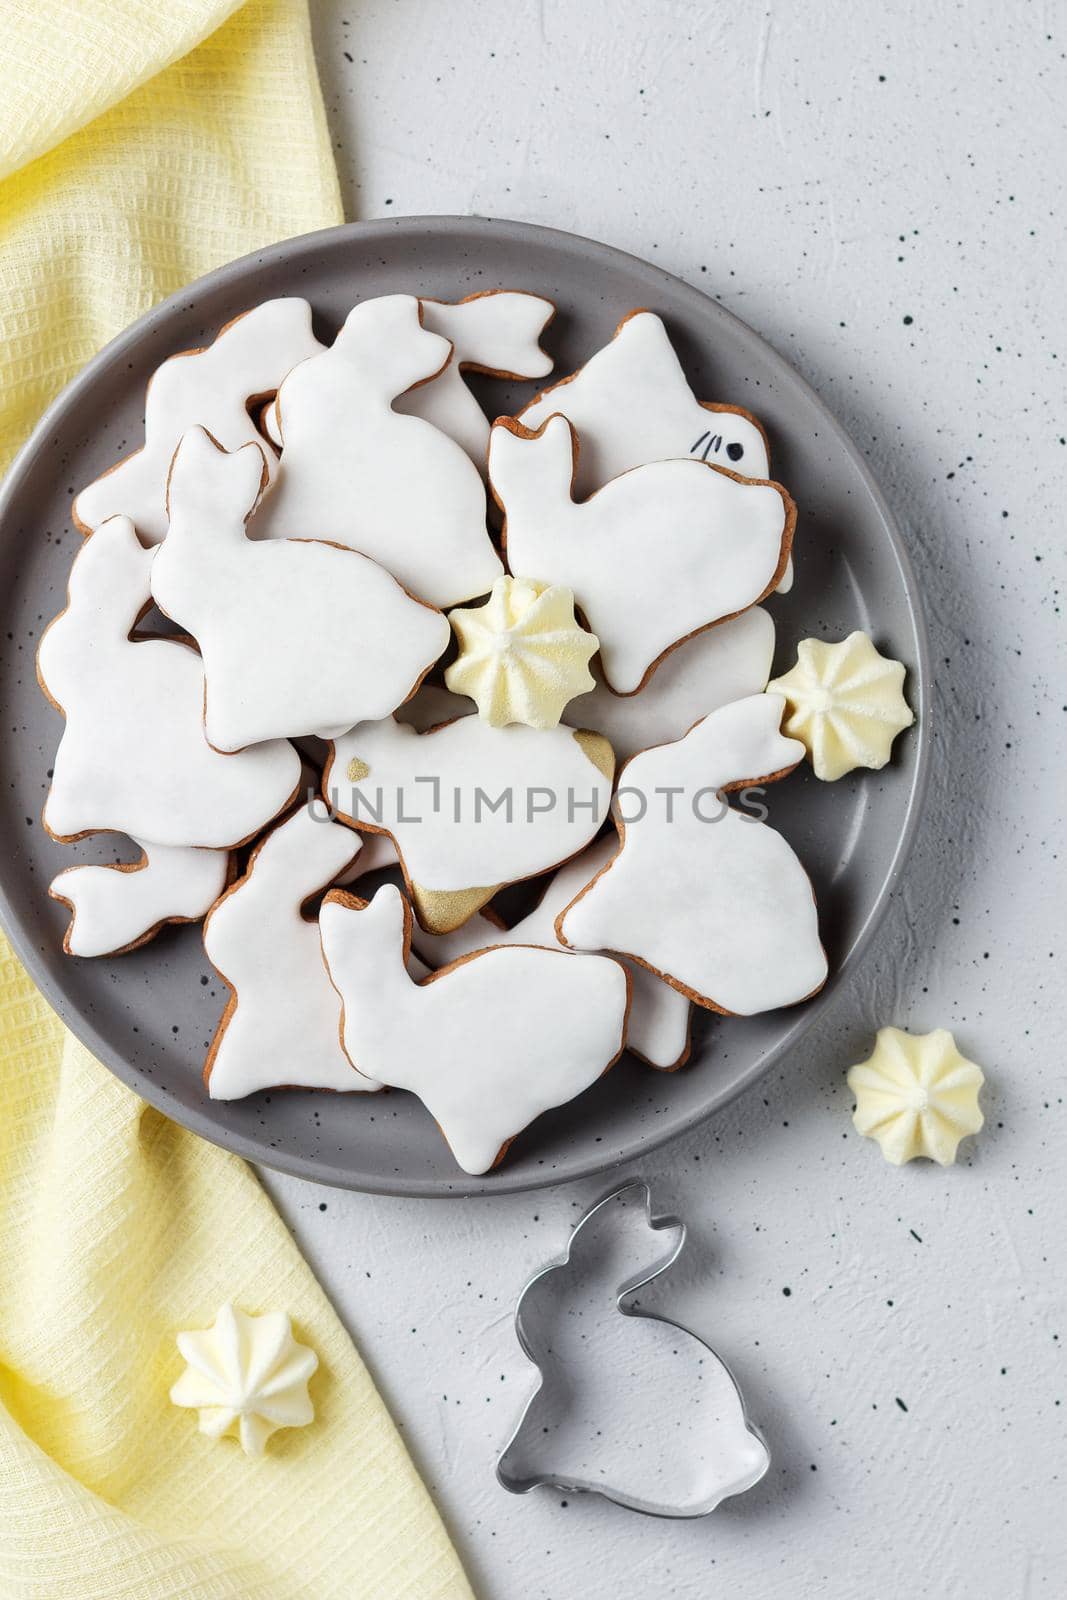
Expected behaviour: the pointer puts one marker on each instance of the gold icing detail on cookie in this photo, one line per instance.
(845, 702)
(522, 655)
(247, 1376)
(598, 749)
(443, 910)
(357, 770)
(917, 1096)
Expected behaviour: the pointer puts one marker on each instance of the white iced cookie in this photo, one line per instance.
(488, 1043)
(471, 807)
(916, 1096)
(845, 703)
(298, 636)
(705, 672)
(115, 908)
(653, 557)
(247, 1376)
(357, 473)
(133, 758)
(658, 1025)
(631, 404)
(522, 655)
(496, 333)
(281, 1025)
(711, 900)
(213, 388)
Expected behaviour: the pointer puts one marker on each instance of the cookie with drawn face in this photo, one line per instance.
(471, 807)
(215, 388)
(488, 1042)
(631, 404)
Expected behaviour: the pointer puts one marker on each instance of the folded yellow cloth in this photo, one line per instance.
(140, 145)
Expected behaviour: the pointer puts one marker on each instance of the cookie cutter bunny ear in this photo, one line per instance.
(751, 1457)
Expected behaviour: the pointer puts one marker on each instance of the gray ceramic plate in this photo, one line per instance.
(150, 1015)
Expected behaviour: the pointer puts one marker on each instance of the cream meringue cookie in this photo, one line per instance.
(522, 655)
(845, 703)
(247, 1376)
(916, 1096)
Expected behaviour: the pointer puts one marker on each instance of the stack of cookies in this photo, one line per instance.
(434, 724)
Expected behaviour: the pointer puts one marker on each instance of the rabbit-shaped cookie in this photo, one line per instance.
(494, 333)
(356, 472)
(281, 1026)
(298, 636)
(653, 557)
(705, 896)
(487, 1043)
(133, 757)
(631, 404)
(213, 388)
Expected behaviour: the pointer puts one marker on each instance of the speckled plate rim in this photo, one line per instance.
(501, 1182)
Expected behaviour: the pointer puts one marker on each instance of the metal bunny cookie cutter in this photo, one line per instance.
(633, 1407)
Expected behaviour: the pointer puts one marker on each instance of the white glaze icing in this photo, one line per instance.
(247, 1376)
(658, 1025)
(631, 404)
(115, 908)
(705, 672)
(297, 636)
(487, 1044)
(133, 757)
(212, 388)
(357, 473)
(282, 1026)
(721, 907)
(654, 556)
(496, 332)
(435, 792)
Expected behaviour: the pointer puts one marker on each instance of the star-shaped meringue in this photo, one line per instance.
(247, 1376)
(845, 702)
(522, 655)
(916, 1095)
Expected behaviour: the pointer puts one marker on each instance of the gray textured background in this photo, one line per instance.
(877, 190)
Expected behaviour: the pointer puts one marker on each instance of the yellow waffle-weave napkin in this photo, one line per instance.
(143, 142)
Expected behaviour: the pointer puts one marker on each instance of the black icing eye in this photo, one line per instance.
(735, 451)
